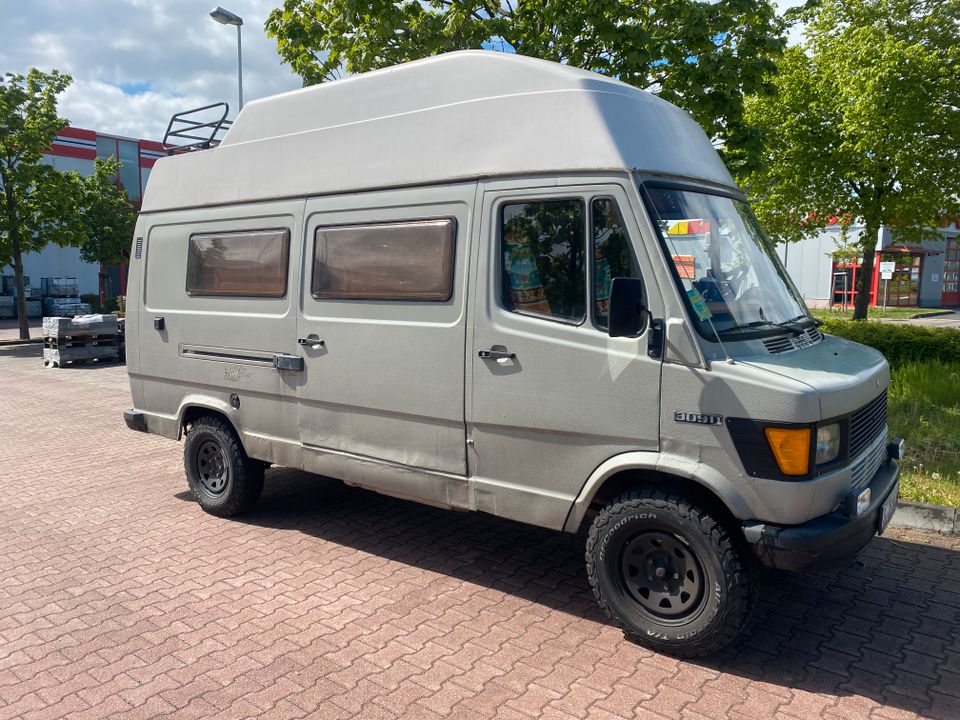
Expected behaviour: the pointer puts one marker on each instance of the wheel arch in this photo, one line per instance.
(702, 484)
(191, 409)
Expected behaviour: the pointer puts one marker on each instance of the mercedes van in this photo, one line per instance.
(491, 283)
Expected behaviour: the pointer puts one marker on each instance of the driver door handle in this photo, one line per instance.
(492, 354)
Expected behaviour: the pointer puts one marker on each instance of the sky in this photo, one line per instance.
(136, 62)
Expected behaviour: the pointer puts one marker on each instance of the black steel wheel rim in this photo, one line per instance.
(212, 469)
(662, 574)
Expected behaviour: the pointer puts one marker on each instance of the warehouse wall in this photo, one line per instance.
(55, 261)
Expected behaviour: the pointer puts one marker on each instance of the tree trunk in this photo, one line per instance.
(13, 227)
(865, 277)
(21, 300)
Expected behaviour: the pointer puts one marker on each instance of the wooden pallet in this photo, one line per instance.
(76, 340)
(57, 357)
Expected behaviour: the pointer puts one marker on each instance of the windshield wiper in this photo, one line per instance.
(760, 324)
(793, 322)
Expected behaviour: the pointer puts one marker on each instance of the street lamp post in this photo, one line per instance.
(225, 17)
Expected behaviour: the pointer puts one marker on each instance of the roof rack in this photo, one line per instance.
(201, 128)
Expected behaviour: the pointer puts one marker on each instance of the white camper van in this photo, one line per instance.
(492, 283)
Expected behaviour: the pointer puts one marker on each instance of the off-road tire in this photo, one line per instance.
(632, 524)
(211, 444)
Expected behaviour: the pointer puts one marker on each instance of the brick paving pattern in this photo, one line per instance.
(10, 329)
(120, 598)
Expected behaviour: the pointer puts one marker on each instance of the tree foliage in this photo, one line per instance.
(107, 218)
(865, 123)
(39, 205)
(700, 55)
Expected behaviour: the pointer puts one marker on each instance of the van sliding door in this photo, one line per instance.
(382, 331)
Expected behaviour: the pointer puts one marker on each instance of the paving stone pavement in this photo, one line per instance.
(10, 329)
(120, 598)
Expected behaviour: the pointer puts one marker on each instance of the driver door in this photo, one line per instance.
(552, 395)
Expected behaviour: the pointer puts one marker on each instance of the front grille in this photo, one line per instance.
(811, 337)
(863, 470)
(777, 345)
(866, 423)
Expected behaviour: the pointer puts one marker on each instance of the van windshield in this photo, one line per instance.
(733, 281)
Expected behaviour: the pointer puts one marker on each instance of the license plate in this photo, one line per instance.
(888, 508)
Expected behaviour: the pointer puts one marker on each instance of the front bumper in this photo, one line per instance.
(824, 542)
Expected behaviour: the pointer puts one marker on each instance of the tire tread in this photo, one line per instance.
(247, 477)
(741, 582)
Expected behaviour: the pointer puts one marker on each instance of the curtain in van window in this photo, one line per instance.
(387, 261)
(249, 263)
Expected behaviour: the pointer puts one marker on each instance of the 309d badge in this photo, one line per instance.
(698, 418)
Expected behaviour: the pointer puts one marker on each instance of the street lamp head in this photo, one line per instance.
(225, 17)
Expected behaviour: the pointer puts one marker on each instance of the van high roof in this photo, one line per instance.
(456, 116)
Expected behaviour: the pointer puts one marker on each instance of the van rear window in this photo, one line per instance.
(251, 263)
(411, 260)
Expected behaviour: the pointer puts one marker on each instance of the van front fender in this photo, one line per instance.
(663, 464)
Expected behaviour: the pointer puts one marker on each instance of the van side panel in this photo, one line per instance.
(198, 351)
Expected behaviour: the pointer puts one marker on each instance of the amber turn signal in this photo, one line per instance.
(791, 448)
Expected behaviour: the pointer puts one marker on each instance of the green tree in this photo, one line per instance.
(106, 216)
(700, 55)
(39, 205)
(865, 123)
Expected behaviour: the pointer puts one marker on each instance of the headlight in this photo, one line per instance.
(828, 443)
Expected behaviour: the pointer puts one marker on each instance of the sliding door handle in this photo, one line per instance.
(495, 354)
(313, 341)
(282, 361)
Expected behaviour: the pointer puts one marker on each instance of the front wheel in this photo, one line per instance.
(224, 481)
(668, 573)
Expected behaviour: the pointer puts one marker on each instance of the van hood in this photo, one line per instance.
(845, 374)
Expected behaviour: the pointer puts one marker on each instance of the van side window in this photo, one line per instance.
(612, 255)
(543, 251)
(251, 263)
(410, 260)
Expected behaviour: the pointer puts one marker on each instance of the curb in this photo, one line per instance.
(920, 316)
(930, 518)
(10, 343)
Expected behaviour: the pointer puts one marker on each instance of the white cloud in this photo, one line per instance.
(136, 62)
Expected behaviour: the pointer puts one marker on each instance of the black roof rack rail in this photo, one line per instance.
(200, 128)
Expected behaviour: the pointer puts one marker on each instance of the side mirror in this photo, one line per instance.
(628, 314)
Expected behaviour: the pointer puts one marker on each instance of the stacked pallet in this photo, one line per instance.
(64, 307)
(90, 337)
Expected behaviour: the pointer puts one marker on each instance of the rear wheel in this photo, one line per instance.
(224, 481)
(668, 573)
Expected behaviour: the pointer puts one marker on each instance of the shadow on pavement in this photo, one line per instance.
(885, 629)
